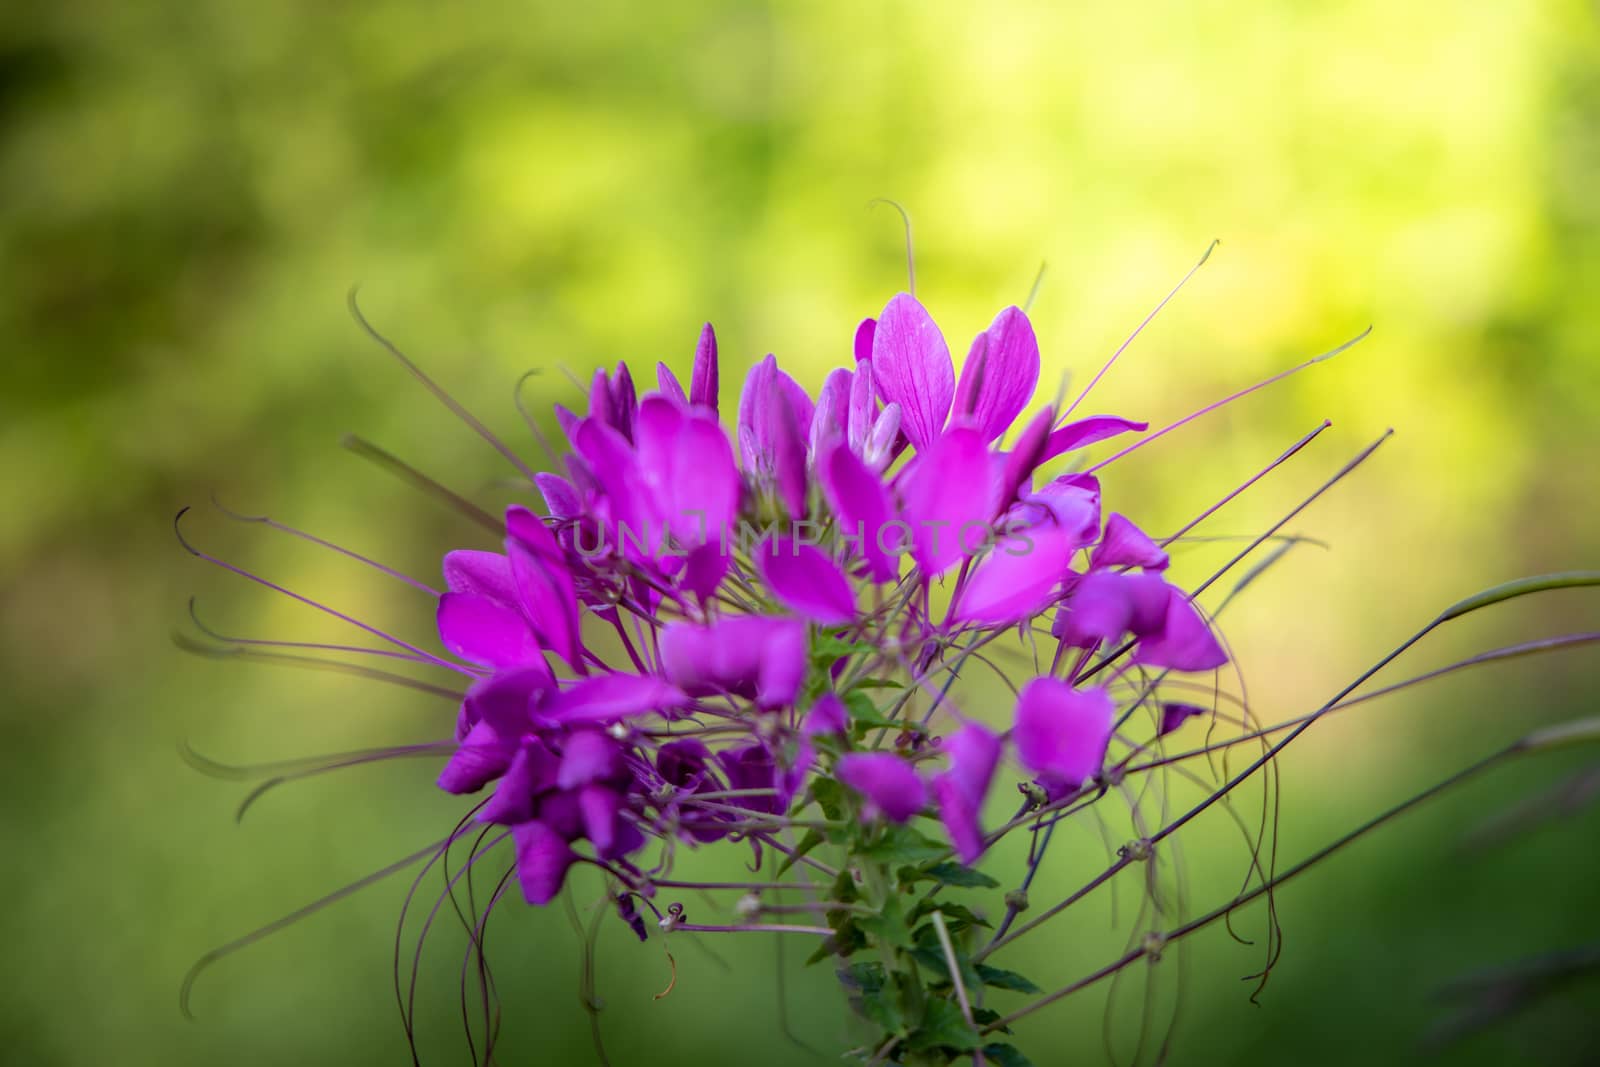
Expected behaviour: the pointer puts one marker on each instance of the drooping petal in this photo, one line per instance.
(515, 797)
(999, 375)
(1061, 733)
(609, 697)
(506, 700)
(481, 757)
(544, 586)
(599, 807)
(913, 368)
(1018, 578)
(949, 494)
(974, 753)
(1085, 432)
(703, 385)
(754, 656)
(1125, 545)
(827, 717)
(704, 569)
(1103, 605)
(861, 504)
(1174, 715)
(1184, 642)
(1071, 502)
(890, 785)
(751, 767)
(805, 580)
(588, 756)
(542, 861)
(479, 630)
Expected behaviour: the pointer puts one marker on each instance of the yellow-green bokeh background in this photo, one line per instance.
(188, 189)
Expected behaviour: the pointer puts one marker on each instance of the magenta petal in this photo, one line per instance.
(1000, 374)
(974, 753)
(828, 421)
(1018, 578)
(486, 574)
(529, 775)
(1184, 642)
(1085, 432)
(863, 405)
(598, 805)
(862, 506)
(544, 587)
(560, 498)
(703, 382)
(704, 569)
(949, 494)
(1125, 545)
(783, 664)
(891, 786)
(864, 335)
(505, 701)
(587, 756)
(805, 580)
(608, 697)
(790, 427)
(754, 656)
(913, 368)
(1061, 733)
(826, 717)
(481, 757)
(1175, 715)
(668, 384)
(1071, 502)
(706, 483)
(481, 631)
(542, 861)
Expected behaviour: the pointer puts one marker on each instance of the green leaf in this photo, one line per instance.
(1005, 1056)
(903, 845)
(889, 926)
(942, 1026)
(846, 941)
(955, 874)
(1003, 979)
(872, 996)
(812, 839)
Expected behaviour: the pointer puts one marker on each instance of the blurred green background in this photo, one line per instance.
(188, 189)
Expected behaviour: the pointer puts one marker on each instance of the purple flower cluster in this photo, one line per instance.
(643, 676)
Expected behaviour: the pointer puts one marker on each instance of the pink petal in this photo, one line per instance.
(1000, 374)
(544, 587)
(949, 495)
(826, 717)
(481, 757)
(805, 580)
(703, 386)
(891, 786)
(668, 384)
(481, 631)
(1125, 545)
(485, 574)
(1025, 455)
(611, 696)
(862, 506)
(1086, 432)
(1185, 641)
(1062, 733)
(863, 342)
(863, 405)
(913, 368)
(542, 861)
(1018, 578)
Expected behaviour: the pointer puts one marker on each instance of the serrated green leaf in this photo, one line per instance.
(957, 916)
(942, 1026)
(1004, 979)
(889, 926)
(954, 874)
(829, 795)
(903, 845)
